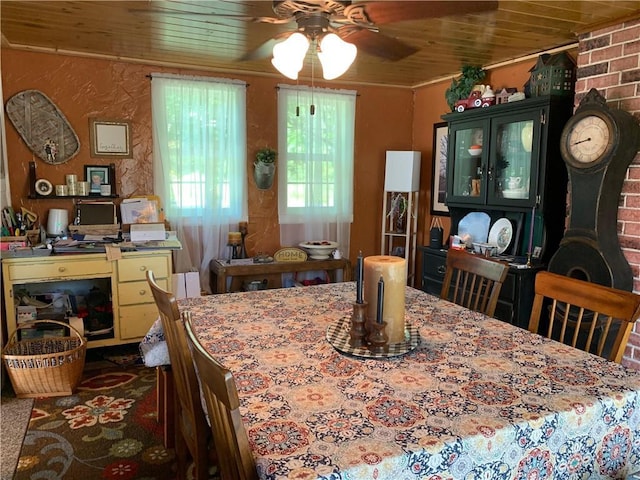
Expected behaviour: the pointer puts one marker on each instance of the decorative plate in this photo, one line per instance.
(500, 234)
(338, 336)
(474, 227)
(44, 187)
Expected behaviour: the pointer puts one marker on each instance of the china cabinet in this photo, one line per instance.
(505, 160)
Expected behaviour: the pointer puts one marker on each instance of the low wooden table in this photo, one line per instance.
(220, 270)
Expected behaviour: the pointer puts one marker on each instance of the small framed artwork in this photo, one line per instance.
(110, 138)
(439, 169)
(96, 175)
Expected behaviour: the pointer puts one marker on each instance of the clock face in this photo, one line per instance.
(588, 140)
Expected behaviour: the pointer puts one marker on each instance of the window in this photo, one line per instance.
(315, 155)
(199, 131)
(199, 163)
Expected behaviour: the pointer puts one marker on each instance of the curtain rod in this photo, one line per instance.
(197, 78)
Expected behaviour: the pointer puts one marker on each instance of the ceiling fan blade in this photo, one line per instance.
(375, 43)
(266, 49)
(383, 12)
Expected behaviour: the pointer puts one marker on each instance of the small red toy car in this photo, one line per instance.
(475, 100)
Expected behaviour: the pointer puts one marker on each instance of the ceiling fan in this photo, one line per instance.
(353, 22)
(357, 23)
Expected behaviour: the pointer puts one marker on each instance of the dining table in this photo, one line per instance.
(465, 396)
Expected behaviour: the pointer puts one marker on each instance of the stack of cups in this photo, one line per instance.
(72, 182)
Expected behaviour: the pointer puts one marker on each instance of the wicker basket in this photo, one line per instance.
(45, 367)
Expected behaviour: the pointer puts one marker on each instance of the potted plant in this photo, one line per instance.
(461, 87)
(264, 167)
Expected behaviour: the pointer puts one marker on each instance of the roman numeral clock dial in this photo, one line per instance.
(589, 139)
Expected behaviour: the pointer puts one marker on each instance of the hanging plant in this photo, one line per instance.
(266, 155)
(462, 86)
(264, 167)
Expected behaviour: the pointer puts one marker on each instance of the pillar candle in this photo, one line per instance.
(234, 238)
(394, 271)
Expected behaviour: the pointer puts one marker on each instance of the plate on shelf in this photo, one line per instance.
(515, 193)
(474, 227)
(501, 234)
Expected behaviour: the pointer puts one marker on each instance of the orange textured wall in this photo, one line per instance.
(84, 88)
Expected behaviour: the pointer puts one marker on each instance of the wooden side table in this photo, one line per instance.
(220, 270)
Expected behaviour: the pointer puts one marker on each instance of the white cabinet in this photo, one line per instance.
(120, 283)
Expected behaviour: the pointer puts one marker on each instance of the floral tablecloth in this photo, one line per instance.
(477, 399)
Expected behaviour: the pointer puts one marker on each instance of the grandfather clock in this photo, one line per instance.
(597, 144)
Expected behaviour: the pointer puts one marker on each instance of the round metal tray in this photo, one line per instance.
(338, 337)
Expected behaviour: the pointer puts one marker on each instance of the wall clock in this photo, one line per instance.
(44, 187)
(597, 144)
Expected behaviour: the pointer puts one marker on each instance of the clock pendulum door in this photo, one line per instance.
(597, 144)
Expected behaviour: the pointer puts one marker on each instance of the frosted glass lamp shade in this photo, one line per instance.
(402, 172)
(336, 56)
(288, 56)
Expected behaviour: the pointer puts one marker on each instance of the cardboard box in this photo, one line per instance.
(186, 285)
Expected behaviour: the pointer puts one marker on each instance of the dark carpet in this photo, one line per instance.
(108, 429)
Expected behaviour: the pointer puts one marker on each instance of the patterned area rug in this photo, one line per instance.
(108, 430)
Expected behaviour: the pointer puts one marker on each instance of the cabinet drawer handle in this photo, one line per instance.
(143, 268)
(143, 292)
(442, 269)
(62, 269)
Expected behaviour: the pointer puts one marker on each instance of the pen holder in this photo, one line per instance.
(377, 337)
(358, 334)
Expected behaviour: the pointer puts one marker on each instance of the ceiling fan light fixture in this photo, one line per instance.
(336, 56)
(288, 56)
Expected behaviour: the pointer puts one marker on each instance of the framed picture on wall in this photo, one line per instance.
(96, 175)
(439, 169)
(110, 138)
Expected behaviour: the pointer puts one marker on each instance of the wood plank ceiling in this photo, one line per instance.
(177, 33)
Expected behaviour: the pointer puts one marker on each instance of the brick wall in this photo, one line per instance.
(609, 60)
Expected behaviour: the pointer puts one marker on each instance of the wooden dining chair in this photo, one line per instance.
(598, 319)
(473, 281)
(235, 459)
(192, 432)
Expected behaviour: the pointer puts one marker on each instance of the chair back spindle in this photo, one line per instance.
(473, 281)
(191, 428)
(585, 315)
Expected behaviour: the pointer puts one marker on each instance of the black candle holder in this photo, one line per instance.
(235, 250)
(358, 332)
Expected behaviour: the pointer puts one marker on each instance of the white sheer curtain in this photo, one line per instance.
(315, 157)
(199, 165)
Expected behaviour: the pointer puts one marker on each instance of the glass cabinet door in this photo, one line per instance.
(465, 175)
(514, 167)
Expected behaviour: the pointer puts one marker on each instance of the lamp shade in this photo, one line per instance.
(402, 172)
(288, 56)
(336, 56)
